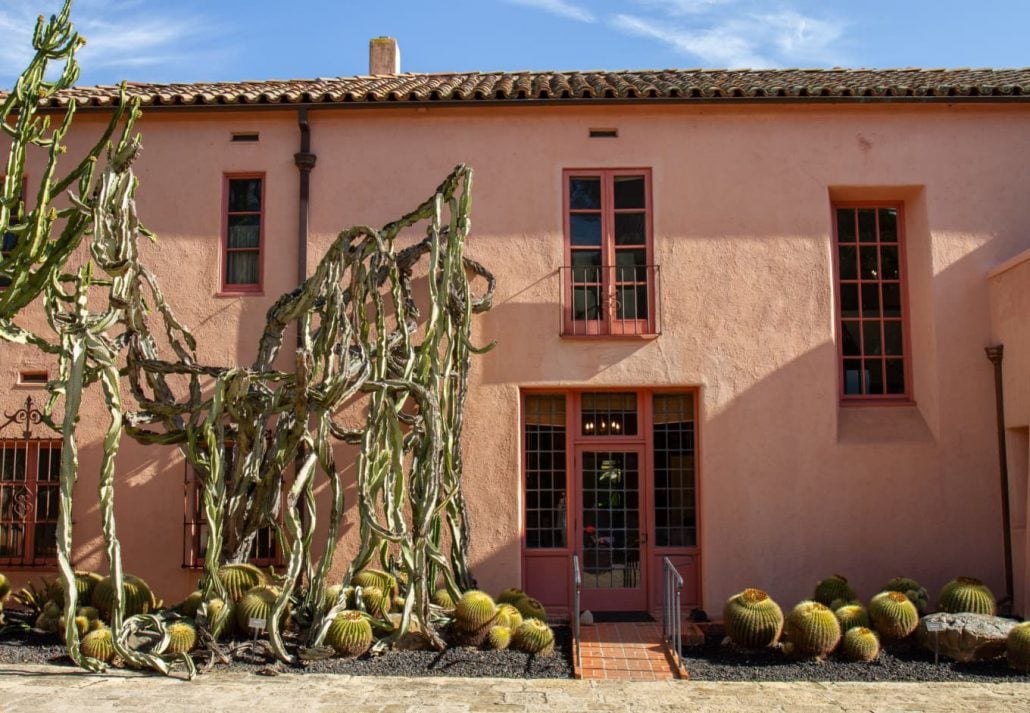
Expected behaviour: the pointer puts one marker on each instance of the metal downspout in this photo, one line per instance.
(995, 354)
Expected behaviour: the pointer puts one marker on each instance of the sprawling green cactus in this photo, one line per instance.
(499, 638)
(752, 619)
(331, 595)
(182, 637)
(442, 598)
(137, 595)
(916, 593)
(384, 581)
(833, 588)
(257, 603)
(508, 616)
(99, 644)
(82, 623)
(966, 594)
(530, 608)
(510, 595)
(474, 610)
(350, 634)
(851, 615)
(533, 637)
(376, 601)
(240, 578)
(812, 629)
(860, 644)
(1017, 647)
(893, 615)
(219, 616)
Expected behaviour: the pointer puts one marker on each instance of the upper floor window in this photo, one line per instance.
(244, 238)
(8, 240)
(30, 472)
(874, 355)
(609, 282)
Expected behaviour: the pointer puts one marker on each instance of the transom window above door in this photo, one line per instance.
(609, 281)
(608, 414)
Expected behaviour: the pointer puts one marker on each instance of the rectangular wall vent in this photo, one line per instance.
(245, 136)
(34, 377)
(604, 133)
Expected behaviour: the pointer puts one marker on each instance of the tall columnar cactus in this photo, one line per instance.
(240, 578)
(966, 594)
(852, 615)
(833, 588)
(916, 593)
(350, 633)
(812, 630)
(752, 619)
(136, 595)
(893, 615)
(1017, 647)
(533, 637)
(860, 644)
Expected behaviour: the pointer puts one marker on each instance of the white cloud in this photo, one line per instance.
(684, 7)
(561, 8)
(805, 38)
(120, 34)
(724, 46)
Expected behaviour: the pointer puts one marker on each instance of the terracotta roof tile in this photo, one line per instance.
(580, 86)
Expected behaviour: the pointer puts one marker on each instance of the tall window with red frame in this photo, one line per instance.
(874, 356)
(29, 501)
(610, 276)
(244, 239)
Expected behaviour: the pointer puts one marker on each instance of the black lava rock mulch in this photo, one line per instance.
(905, 661)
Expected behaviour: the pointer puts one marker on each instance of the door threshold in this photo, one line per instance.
(613, 617)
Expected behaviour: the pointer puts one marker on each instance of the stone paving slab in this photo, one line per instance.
(36, 689)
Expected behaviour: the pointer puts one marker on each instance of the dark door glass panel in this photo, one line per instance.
(630, 229)
(674, 496)
(866, 225)
(889, 262)
(849, 300)
(870, 269)
(874, 376)
(632, 302)
(585, 193)
(586, 302)
(244, 195)
(629, 192)
(845, 225)
(847, 257)
(888, 225)
(545, 471)
(630, 258)
(611, 520)
(871, 338)
(892, 338)
(871, 300)
(852, 376)
(585, 228)
(895, 376)
(586, 266)
(852, 345)
(892, 299)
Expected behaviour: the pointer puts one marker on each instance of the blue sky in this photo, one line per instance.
(207, 40)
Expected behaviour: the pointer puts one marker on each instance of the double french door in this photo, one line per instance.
(609, 476)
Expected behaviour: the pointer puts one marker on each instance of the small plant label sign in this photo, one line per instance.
(256, 623)
(934, 625)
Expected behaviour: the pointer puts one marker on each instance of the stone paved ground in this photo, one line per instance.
(37, 689)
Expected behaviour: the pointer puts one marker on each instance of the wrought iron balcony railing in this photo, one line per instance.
(611, 300)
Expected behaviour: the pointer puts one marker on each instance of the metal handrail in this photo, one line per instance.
(577, 585)
(612, 300)
(671, 613)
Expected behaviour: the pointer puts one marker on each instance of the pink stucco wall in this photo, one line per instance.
(1010, 316)
(795, 486)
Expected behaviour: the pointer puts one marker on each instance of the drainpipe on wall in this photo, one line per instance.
(305, 161)
(995, 354)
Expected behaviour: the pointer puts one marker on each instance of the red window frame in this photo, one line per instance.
(872, 325)
(29, 495)
(610, 324)
(5, 253)
(231, 288)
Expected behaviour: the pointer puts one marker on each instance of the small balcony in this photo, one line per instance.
(610, 301)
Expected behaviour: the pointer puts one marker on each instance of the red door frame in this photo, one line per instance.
(650, 563)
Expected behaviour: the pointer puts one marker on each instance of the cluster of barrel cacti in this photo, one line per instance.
(834, 618)
(515, 620)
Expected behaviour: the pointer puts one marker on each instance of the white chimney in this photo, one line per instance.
(384, 57)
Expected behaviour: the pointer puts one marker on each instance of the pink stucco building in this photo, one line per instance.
(741, 316)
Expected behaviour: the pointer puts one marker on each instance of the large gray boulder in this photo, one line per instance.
(965, 637)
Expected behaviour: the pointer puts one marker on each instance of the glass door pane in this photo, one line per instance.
(611, 519)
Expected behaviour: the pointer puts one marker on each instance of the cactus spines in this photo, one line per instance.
(966, 594)
(220, 616)
(182, 637)
(350, 634)
(474, 610)
(99, 644)
(508, 616)
(533, 637)
(510, 595)
(376, 601)
(85, 583)
(812, 629)
(5, 587)
(860, 644)
(851, 615)
(135, 592)
(257, 604)
(911, 589)
(1017, 647)
(384, 581)
(240, 578)
(752, 619)
(832, 588)
(82, 624)
(49, 618)
(332, 594)
(442, 598)
(499, 638)
(530, 608)
(893, 615)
